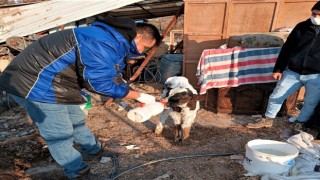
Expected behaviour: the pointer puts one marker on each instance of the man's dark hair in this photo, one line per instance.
(149, 30)
(316, 6)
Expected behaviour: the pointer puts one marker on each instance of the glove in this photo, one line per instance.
(146, 98)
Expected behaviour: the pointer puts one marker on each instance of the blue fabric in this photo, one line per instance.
(240, 73)
(103, 51)
(60, 126)
(41, 91)
(133, 50)
(289, 83)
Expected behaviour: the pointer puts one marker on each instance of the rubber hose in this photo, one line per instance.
(173, 158)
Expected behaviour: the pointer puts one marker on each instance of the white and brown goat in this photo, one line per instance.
(182, 102)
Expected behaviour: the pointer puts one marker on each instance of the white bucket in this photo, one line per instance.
(269, 157)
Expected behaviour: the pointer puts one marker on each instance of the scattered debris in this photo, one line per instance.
(213, 132)
(165, 176)
(105, 160)
(132, 147)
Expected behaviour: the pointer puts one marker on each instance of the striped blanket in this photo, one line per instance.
(235, 66)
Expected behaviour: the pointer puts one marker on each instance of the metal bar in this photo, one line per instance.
(152, 15)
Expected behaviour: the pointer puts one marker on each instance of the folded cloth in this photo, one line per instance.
(235, 66)
(141, 114)
(303, 142)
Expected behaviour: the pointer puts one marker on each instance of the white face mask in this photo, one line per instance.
(315, 21)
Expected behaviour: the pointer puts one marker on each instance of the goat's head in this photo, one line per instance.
(174, 82)
(183, 97)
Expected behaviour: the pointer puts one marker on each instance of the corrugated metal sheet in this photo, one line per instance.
(32, 18)
(148, 9)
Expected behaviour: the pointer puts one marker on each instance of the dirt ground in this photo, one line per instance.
(213, 138)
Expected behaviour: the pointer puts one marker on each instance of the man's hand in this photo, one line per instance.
(141, 97)
(146, 98)
(277, 76)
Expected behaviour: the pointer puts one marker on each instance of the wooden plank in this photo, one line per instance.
(251, 17)
(32, 18)
(212, 99)
(301, 9)
(276, 15)
(205, 18)
(195, 44)
(226, 20)
(229, 14)
(300, 1)
(189, 71)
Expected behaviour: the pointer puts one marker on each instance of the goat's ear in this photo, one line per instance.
(196, 97)
(190, 93)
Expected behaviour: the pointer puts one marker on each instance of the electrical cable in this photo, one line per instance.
(172, 158)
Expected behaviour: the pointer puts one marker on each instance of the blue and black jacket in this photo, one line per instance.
(301, 52)
(56, 67)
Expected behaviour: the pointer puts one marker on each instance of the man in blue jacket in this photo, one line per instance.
(46, 79)
(298, 65)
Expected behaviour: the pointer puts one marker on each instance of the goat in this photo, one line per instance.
(182, 102)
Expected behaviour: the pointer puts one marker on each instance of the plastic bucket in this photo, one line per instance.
(269, 157)
(170, 65)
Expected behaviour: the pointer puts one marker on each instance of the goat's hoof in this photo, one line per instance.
(177, 140)
(158, 132)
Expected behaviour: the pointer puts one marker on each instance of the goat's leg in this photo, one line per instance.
(163, 117)
(158, 129)
(177, 133)
(186, 135)
(187, 121)
(176, 116)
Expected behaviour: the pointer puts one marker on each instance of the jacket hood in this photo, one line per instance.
(125, 26)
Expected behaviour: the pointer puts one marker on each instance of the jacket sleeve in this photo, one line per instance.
(100, 68)
(284, 55)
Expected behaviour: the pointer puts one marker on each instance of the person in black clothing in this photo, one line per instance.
(298, 65)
